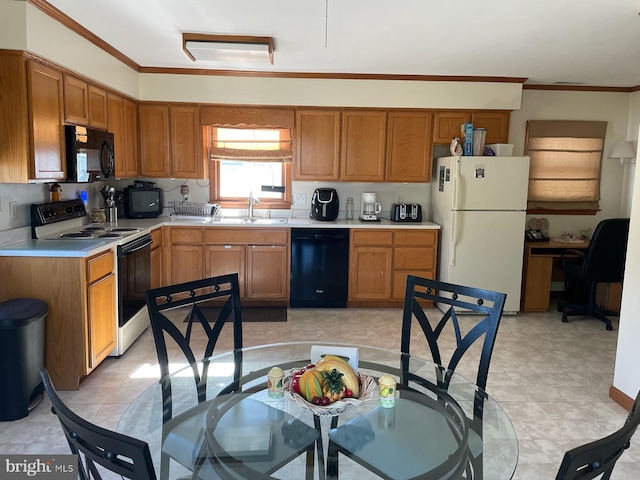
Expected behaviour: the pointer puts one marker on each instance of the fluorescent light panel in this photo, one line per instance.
(234, 48)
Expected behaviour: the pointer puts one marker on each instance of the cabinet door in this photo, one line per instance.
(76, 100)
(317, 145)
(154, 140)
(446, 125)
(102, 319)
(224, 259)
(97, 107)
(496, 124)
(116, 126)
(47, 132)
(363, 146)
(187, 263)
(130, 125)
(267, 272)
(156, 267)
(370, 273)
(187, 159)
(409, 147)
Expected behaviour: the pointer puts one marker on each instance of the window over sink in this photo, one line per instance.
(250, 160)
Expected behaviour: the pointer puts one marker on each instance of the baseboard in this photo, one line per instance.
(620, 398)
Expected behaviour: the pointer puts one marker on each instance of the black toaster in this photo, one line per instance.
(406, 212)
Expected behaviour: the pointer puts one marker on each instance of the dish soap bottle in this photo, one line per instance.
(349, 214)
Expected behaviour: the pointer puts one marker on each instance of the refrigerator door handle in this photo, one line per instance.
(456, 184)
(454, 237)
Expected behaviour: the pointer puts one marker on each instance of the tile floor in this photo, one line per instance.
(552, 379)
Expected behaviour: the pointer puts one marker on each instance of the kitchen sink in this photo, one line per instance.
(249, 221)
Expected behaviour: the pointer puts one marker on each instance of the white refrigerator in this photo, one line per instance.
(480, 203)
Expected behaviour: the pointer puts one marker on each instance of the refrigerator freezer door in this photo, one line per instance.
(490, 183)
(484, 250)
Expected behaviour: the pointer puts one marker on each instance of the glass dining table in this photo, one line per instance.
(215, 419)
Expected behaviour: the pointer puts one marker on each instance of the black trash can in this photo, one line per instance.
(21, 356)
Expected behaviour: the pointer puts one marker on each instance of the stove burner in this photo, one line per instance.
(93, 229)
(124, 229)
(109, 235)
(76, 235)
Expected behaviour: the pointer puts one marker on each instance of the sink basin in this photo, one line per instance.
(249, 221)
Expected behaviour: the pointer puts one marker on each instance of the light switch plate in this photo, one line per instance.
(299, 198)
(13, 209)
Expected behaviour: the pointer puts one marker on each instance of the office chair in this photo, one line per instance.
(599, 457)
(211, 303)
(602, 263)
(94, 445)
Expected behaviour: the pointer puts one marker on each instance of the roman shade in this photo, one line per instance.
(250, 144)
(566, 159)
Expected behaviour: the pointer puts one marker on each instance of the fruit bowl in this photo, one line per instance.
(368, 386)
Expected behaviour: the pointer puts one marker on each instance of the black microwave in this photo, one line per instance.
(90, 154)
(142, 202)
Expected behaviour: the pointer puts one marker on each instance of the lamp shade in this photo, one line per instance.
(621, 150)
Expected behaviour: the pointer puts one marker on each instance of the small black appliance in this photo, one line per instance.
(406, 212)
(142, 200)
(90, 154)
(324, 204)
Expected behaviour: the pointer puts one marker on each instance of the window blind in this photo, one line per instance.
(566, 160)
(251, 144)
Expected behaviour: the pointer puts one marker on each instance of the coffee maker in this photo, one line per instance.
(369, 207)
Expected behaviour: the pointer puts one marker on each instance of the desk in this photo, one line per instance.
(539, 258)
(497, 440)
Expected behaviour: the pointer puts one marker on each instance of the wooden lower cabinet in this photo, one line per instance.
(381, 259)
(267, 272)
(81, 322)
(260, 256)
(102, 312)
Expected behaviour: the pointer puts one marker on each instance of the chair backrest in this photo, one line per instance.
(599, 457)
(607, 251)
(94, 445)
(210, 303)
(484, 307)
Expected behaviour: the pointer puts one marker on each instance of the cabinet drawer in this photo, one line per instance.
(414, 258)
(188, 236)
(246, 236)
(371, 237)
(156, 237)
(426, 238)
(100, 266)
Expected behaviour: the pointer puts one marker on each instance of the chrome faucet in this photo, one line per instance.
(252, 201)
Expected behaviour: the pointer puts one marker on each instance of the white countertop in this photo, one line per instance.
(88, 248)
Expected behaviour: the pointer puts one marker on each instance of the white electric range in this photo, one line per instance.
(66, 220)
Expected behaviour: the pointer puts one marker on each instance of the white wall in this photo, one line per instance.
(559, 105)
(626, 378)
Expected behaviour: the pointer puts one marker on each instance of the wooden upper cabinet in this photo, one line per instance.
(187, 158)
(97, 107)
(123, 123)
(364, 135)
(409, 147)
(317, 145)
(496, 124)
(154, 140)
(84, 104)
(446, 125)
(47, 132)
(76, 100)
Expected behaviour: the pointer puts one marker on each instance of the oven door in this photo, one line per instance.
(134, 261)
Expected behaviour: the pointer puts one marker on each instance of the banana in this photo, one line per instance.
(349, 375)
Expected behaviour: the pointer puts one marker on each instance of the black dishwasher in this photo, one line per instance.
(319, 267)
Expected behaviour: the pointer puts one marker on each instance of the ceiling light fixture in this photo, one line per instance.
(229, 48)
(622, 150)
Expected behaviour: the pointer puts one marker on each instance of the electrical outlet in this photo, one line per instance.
(0, 206)
(299, 198)
(184, 191)
(13, 209)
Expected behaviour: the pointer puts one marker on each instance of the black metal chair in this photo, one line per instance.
(211, 303)
(485, 308)
(602, 263)
(599, 457)
(97, 446)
